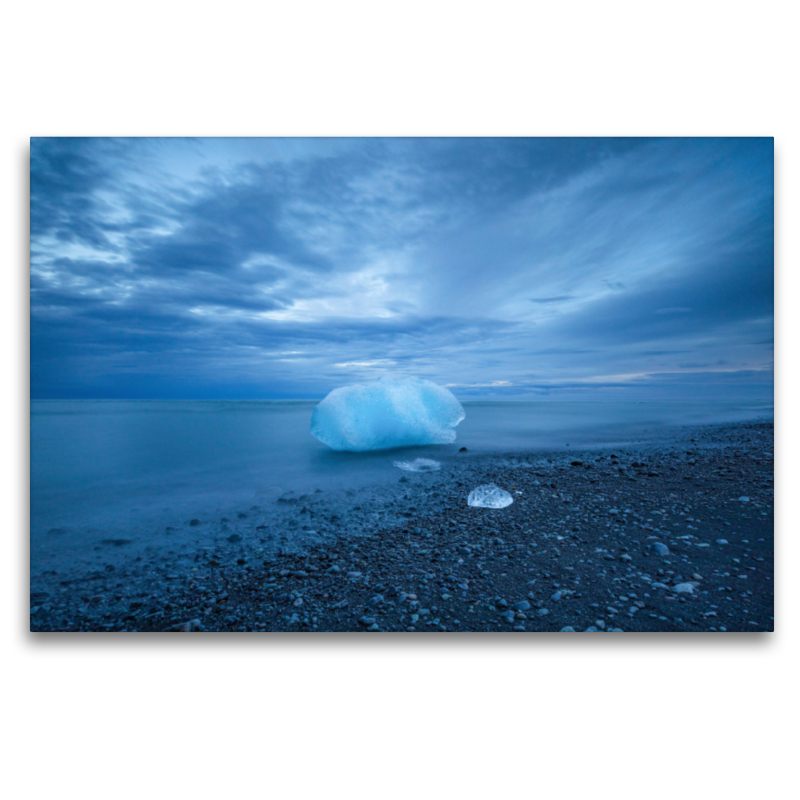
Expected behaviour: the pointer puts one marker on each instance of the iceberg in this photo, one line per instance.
(392, 412)
(419, 465)
(489, 496)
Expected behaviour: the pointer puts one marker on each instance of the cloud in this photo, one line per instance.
(281, 267)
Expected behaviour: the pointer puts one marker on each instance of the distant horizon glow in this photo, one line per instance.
(582, 269)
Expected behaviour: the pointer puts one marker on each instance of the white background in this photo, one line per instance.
(647, 716)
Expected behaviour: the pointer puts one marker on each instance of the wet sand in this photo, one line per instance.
(674, 535)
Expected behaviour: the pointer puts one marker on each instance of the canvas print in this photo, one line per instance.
(375, 385)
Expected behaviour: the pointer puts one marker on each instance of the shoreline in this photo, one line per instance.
(575, 550)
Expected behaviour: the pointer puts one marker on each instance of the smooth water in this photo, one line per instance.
(118, 467)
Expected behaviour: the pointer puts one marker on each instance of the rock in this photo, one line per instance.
(567, 629)
(462, 449)
(366, 621)
(185, 627)
(375, 600)
(235, 537)
(508, 616)
(354, 575)
(659, 549)
(194, 522)
(556, 596)
(543, 612)
(722, 541)
(744, 499)
(523, 605)
(333, 568)
(683, 588)
(625, 557)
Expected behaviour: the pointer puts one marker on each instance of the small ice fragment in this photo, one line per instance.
(419, 465)
(392, 412)
(489, 496)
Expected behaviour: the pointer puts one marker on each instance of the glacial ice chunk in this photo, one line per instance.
(392, 412)
(419, 465)
(489, 496)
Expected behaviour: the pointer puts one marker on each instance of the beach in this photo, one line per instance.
(674, 534)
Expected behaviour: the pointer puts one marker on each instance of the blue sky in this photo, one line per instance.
(243, 268)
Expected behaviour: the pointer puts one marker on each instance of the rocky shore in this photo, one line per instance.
(673, 536)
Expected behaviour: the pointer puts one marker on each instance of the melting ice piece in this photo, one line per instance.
(419, 465)
(392, 412)
(489, 496)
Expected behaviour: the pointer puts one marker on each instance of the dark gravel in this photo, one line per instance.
(675, 536)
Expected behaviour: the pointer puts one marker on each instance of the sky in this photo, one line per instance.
(576, 268)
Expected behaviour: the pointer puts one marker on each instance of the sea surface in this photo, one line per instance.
(114, 469)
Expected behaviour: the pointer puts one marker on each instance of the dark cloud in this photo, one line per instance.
(285, 267)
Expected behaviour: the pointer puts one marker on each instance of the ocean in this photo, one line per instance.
(112, 470)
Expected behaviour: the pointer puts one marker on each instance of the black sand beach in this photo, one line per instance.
(674, 535)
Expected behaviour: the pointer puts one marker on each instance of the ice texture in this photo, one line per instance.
(392, 412)
(419, 465)
(489, 496)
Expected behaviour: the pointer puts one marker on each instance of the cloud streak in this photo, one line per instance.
(282, 268)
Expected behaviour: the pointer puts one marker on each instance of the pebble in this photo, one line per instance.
(366, 621)
(508, 616)
(722, 541)
(567, 629)
(659, 549)
(683, 588)
(556, 596)
(523, 605)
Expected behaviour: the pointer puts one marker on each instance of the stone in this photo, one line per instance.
(523, 605)
(659, 549)
(567, 629)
